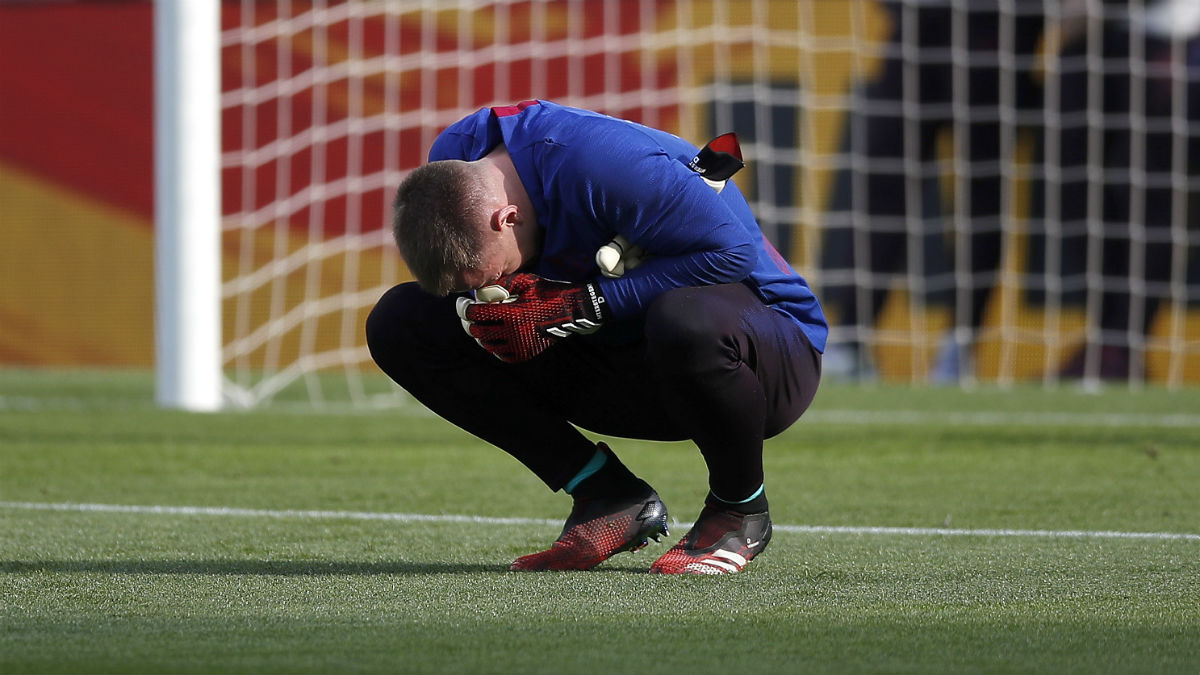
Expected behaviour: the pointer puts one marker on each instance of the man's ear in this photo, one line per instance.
(507, 215)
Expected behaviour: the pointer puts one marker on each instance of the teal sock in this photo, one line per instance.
(597, 462)
(755, 503)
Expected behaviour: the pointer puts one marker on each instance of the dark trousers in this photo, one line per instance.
(713, 365)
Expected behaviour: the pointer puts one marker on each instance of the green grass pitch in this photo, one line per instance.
(919, 530)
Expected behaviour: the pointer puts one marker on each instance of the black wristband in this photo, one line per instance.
(596, 306)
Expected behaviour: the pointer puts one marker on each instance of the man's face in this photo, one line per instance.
(500, 257)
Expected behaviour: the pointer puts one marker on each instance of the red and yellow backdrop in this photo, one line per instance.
(76, 184)
(77, 154)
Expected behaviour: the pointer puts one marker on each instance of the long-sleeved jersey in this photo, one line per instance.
(591, 177)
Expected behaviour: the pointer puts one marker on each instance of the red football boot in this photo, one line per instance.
(721, 542)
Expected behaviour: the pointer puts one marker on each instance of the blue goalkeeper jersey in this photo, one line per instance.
(591, 177)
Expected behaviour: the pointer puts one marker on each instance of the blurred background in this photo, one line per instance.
(986, 191)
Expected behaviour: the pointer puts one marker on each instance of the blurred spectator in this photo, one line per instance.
(1127, 83)
(949, 67)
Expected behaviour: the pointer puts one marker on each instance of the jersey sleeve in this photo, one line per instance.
(690, 233)
(468, 139)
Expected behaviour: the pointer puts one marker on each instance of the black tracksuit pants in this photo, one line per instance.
(713, 365)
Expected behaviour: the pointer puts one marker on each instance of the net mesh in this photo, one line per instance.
(978, 190)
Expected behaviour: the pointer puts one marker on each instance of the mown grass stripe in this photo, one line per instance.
(981, 418)
(1002, 418)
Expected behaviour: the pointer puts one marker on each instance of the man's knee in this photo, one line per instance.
(387, 316)
(400, 325)
(686, 328)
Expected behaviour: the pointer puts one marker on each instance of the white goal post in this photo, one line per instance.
(187, 207)
(1013, 223)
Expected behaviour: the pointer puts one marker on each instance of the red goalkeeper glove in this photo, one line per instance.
(537, 314)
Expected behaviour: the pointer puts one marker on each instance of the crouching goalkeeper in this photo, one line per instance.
(576, 271)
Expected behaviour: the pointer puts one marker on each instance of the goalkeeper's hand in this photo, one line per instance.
(537, 314)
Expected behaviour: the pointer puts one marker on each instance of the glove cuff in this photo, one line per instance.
(594, 304)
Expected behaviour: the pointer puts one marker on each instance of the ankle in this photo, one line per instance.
(755, 502)
(606, 476)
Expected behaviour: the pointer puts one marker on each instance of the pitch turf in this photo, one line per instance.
(919, 531)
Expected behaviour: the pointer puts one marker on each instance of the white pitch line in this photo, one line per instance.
(269, 513)
(958, 532)
(449, 518)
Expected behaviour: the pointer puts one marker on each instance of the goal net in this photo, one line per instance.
(954, 181)
(1017, 194)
